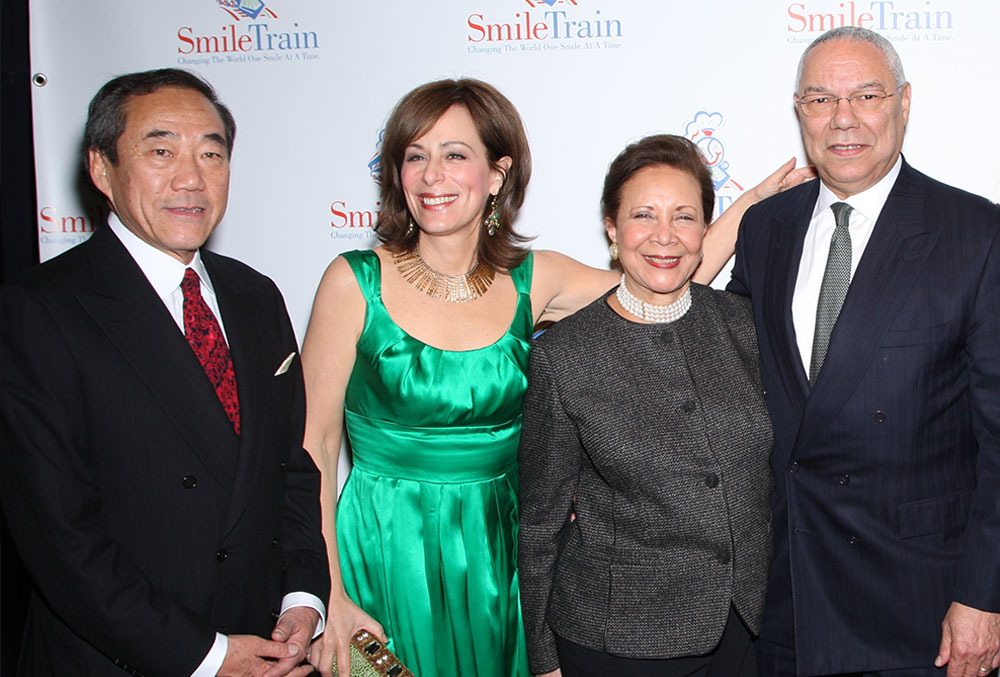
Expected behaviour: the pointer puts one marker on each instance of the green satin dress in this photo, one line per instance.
(427, 521)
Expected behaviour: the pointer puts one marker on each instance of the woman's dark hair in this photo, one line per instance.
(661, 149)
(501, 131)
(106, 115)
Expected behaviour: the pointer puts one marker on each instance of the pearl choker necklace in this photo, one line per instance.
(653, 313)
(450, 288)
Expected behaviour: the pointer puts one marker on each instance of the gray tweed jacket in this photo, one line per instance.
(658, 437)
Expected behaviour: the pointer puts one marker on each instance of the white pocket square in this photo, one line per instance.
(285, 364)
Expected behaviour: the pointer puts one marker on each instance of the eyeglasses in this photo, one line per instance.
(867, 101)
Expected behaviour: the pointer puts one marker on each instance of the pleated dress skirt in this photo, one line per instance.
(427, 520)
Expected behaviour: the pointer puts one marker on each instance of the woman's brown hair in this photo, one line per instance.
(501, 131)
(661, 149)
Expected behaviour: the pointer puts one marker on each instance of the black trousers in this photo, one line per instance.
(776, 660)
(733, 657)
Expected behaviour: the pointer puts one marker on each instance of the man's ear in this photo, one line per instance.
(99, 166)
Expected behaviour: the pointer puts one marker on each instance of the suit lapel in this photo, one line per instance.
(788, 234)
(244, 326)
(134, 318)
(900, 245)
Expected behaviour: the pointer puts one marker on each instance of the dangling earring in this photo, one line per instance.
(410, 228)
(613, 251)
(492, 222)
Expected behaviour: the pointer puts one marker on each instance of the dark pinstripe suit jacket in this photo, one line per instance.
(661, 434)
(147, 524)
(887, 498)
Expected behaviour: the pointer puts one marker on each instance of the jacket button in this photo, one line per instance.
(190, 481)
(845, 479)
(274, 544)
(853, 540)
(723, 558)
(880, 416)
(793, 466)
(667, 336)
(274, 615)
(688, 406)
(283, 466)
(222, 555)
(711, 480)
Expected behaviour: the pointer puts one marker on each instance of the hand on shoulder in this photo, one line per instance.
(784, 177)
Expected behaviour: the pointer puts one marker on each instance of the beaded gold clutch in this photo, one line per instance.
(370, 658)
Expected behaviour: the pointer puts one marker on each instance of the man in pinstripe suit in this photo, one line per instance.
(169, 529)
(886, 505)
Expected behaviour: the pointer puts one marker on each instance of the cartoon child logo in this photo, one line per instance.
(375, 164)
(250, 9)
(702, 130)
(550, 3)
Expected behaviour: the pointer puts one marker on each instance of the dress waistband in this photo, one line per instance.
(446, 454)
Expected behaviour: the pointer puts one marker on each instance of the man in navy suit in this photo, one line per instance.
(886, 508)
(152, 418)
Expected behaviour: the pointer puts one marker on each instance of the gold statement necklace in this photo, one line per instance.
(450, 288)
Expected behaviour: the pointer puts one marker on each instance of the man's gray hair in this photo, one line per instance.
(856, 34)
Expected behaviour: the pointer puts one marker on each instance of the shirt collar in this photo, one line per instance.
(868, 203)
(163, 271)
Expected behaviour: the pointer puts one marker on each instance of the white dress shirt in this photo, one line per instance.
(165, 274)
(866, 207)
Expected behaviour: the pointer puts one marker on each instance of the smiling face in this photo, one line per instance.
(171, 183)
(852, 150)
(447, 176)
(659, 231)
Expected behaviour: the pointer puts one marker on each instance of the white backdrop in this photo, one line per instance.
(311, 84)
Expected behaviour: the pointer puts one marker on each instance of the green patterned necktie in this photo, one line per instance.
(836, 280)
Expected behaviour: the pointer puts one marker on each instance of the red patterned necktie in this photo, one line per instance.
(204, 334)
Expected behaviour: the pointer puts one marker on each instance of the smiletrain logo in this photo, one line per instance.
(543, 26)
(254, 35)
(358, 224)
(57, 228)
(898, 20)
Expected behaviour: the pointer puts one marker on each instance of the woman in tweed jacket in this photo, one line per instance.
(644, 533)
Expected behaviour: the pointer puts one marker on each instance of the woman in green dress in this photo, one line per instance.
(421, 348)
